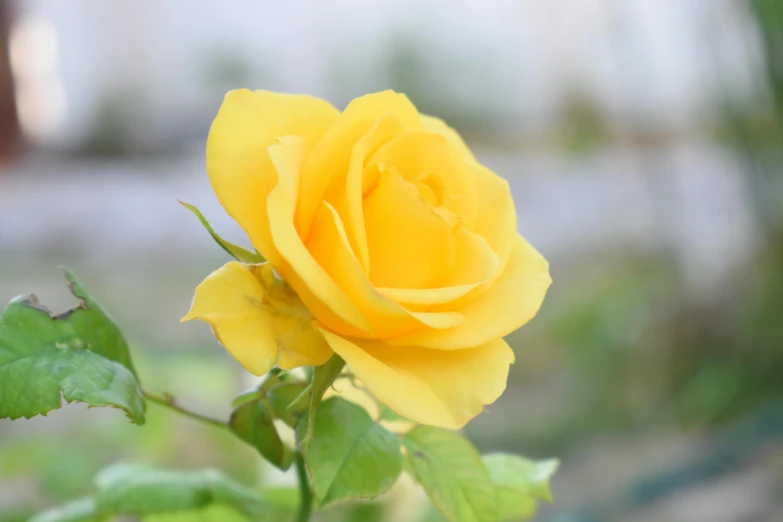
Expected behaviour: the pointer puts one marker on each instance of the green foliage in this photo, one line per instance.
(586, 130)
(769, 17)
(133, 490)
(282, 498)
(519, 483)
(323, 377)
(388, 414)
(363, 512)
(79, 354)
(288, 402)
(81, 510)
(253, 422)
(349, 456)
(141, 490)
(452, 473)
(342, 453)
(214, 513)
(237, 252)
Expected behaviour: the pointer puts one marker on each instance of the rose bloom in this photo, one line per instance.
(386, 243)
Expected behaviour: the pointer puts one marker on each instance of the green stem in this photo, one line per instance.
(305, 494)
(168, 401)
(323, 377)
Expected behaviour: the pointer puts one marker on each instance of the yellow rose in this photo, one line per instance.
(387, 243)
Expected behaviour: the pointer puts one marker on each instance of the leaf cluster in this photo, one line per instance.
(342, 452)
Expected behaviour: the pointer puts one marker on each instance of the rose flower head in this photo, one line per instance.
(386, 242)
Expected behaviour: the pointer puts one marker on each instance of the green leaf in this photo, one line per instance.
(284, 499)
(244, 398)
(237, 252)
(270, 380)
(323, 377)
(79, 355)
(519, 483)
(136, 490)
(350, 456)
(214, 513)
(452, 473)
(82, 510)
(386, 413)
(287, 402)
(430, 514)
(253, 423)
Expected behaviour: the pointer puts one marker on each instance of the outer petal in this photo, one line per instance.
(237, 161)
(300, 346)
(324, 174)
(433, 124)
(435, 387)
(510, 302)
(323, 297)
(496, 219)
(233, 301)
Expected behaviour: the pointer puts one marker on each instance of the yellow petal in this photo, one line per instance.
(234, 302)
(433, 164)
(495, 225)
(328, 243)
(410, 245)
(324, 174)
(237, 161)
(434, 387)
(300, 346)
(298, 343)
(496, 219)
(475, 264)
(349, 201)
(432, 124)
(513, 299)
(323, 297)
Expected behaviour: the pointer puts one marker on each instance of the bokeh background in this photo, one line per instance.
(643, 141)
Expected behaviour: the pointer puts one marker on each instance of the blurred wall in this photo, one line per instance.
(151, 69)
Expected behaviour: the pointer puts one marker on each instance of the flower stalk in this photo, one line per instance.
(305, 493)
(169, 402)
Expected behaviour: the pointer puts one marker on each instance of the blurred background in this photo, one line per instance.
(643, 141)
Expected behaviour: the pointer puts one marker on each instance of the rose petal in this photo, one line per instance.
(475, 264)
(328, 244)
(322, 296)
(510, 302)
(496, 218)
(349, 201)
(436, 125)
(410, 245)
(237, 161)
(434, 387)
(232, 301)
(324, 174)
(432, 163)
